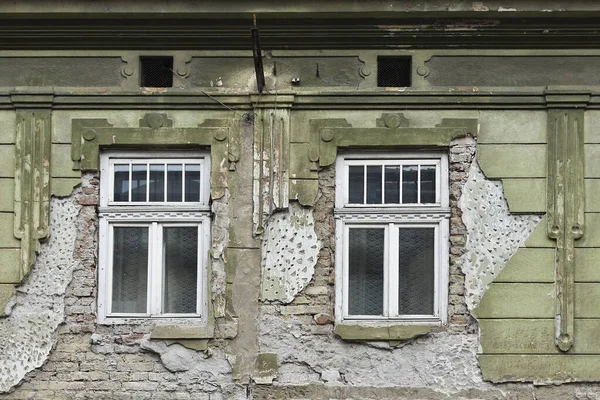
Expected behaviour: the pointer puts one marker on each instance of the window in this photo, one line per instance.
(392, 216)
(154, 235)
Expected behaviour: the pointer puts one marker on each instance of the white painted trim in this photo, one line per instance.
(340, 261)
(109, 158)
(393, 274)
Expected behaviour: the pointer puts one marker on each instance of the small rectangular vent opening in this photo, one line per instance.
(394, 71)
(156, 72)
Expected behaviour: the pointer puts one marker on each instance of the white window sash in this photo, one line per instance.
(391, 270)
(110, 158)
(156, 265)
(439, 160)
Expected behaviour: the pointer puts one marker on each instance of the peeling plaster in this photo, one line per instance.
(29, 333)
(219, 240)
(290, 250)
(444, 362)
(494, 234)
(209, 369)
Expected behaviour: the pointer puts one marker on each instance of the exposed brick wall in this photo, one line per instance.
(93, 361)
(461, 155)
(105, 362)
(318, 299)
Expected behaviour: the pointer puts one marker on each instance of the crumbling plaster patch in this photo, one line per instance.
(29, 333)
(290, 249)
(219, 240)
(206, 370)
(445, 362)
(494, 234)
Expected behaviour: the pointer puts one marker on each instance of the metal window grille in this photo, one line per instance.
(156, 71)
(394, 71)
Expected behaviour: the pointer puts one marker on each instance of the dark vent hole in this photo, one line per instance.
(156, 71)
(394, 71)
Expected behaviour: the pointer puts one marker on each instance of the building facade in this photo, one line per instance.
(234, 200)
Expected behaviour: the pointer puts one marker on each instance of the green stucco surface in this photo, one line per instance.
(529, 265)
(7, 161)
(8, 194)
(539, 237)
(512, 160)
(9, 265)
(517, 314)
(592, 231)
(7, 239)
(540, 368)
(525, 195)
(535, 336)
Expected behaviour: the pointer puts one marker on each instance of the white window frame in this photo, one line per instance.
(391, 218)
(156, 216)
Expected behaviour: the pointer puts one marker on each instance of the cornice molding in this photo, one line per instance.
(301, 30)
(450, 98)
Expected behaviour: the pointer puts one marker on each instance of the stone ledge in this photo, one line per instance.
(174, 331)
(378, 332)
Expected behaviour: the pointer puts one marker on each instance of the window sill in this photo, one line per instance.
(179, 331)
(384, 332)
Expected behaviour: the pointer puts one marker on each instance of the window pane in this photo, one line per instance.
(365, 271)
(409, 184)
(174, 181)
(428, 184)
(180, 249)
(192, 182)
(392, 184)
(374, 184)
(356, 184)
(157, 182)
(416, 271)
(121, 188)
(138, 182)
(130, 269)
